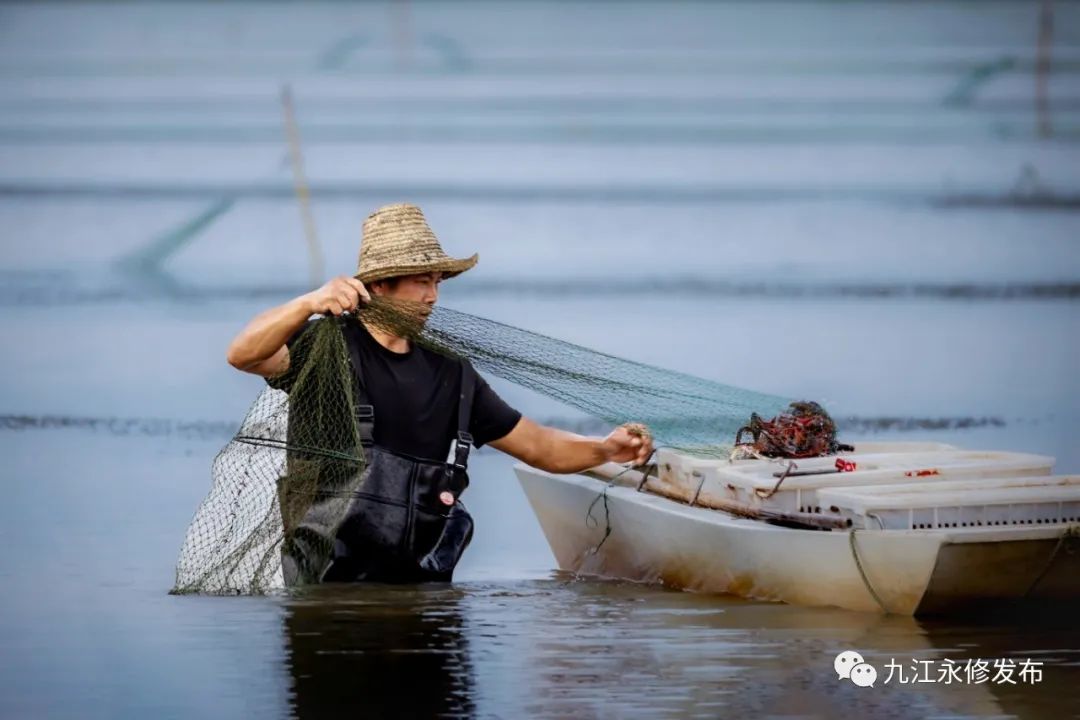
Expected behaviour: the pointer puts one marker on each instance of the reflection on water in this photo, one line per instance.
(378, 651)
(1047, 635)
(575, 648)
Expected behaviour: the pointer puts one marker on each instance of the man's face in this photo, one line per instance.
(420, 288)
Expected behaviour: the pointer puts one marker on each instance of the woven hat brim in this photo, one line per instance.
(449, 267)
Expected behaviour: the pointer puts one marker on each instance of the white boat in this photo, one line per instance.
(911, 529)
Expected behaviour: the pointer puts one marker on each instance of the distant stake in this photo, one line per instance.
(403, 33)
(1042, 68)
(303, 195)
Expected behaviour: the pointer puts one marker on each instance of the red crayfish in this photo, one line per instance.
(804, 431)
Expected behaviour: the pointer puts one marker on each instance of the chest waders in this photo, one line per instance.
(402, 522)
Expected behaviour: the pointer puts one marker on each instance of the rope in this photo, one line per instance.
(765, 495)
(862, 573)
(1070, 533)
(296, 447)
(645, 475)
(607, 520)
(607, 512)
(697, 493)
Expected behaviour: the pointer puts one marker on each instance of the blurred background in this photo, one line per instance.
(870, 204)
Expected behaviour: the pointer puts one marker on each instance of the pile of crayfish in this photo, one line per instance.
(804, 431)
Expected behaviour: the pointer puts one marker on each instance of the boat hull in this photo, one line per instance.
(658, 540)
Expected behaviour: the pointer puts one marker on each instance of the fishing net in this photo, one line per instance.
(300, 439)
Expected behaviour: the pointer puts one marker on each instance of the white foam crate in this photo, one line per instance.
(752, 482)
(987, 502)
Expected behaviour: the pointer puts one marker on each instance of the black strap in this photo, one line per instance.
(465, 402)
(364, 411)
(468, 390)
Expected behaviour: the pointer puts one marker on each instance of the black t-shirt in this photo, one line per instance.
(415, 395)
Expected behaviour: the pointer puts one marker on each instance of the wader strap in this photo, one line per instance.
(365, 423)
(364, 411)
(464, 441)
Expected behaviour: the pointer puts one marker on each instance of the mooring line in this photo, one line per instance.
(862, 572)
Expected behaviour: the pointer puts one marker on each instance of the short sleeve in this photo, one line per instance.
(297, 353)
(491, 417)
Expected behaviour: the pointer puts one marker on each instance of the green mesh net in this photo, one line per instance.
(303, 443)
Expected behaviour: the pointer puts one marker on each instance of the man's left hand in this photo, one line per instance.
(628, 445)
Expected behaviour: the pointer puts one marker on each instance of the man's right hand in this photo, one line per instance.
(340, 295)
(262, 346)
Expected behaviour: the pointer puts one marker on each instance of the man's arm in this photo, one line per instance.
(260, 347)
(558, 451)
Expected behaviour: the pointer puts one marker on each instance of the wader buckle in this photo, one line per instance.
(459, 450)
(365, 419)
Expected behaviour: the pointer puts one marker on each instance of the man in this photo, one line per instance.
(416, 393)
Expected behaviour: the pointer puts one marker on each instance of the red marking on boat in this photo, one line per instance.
(921, 473)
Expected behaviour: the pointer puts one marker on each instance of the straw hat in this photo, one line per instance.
(398, 241)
